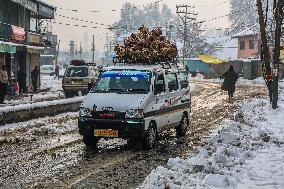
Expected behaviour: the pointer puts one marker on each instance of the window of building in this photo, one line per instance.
(242, 45)
(251, 44)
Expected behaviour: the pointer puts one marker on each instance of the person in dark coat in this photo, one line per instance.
(34, 76)
(3, 83)
(21, 79)
(230, 78)
(56, 72)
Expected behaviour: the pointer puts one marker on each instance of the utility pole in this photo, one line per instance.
(183, 12)
(57, 53)
(80, 51)
(93, 48)
(271, 74)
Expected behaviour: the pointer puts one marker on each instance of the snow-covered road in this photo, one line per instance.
(48, 152)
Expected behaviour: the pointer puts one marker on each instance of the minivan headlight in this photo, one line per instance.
(137, 113)
(85, 112)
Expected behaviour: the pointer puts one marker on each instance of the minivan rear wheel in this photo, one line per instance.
(150, 137)
(91, 141)
(181, 129)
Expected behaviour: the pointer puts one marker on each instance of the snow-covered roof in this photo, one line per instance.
(230, 50)
(246, 33)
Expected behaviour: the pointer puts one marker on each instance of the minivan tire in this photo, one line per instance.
(91, 141)
(149, 140)
(181, 129)
(68, 94)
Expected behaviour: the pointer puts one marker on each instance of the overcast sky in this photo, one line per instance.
(205, 8)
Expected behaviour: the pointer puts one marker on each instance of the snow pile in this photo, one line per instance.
(200, 77)
(241, 80)
(257, 81)
(247, 152)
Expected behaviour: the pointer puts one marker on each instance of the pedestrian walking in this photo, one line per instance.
(3, 83)
(34, 76)
(230, 78)
(56, 72)
(22, 79)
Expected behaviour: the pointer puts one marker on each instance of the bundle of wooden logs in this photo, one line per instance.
(146, 46)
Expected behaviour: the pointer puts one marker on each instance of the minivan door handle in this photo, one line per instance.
(157, 100)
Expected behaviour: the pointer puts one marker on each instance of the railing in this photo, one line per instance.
(5, 31)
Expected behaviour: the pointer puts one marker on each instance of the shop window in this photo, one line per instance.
(242, 45)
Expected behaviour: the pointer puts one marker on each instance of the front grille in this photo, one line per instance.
(108, 115)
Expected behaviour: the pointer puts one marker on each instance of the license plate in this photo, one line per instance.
(106, 133)
(77, 82)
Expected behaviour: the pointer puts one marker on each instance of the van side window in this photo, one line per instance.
(160, 85)
(172, 82)
(183, 80)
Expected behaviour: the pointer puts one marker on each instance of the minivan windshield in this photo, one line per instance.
(77, 72)
(123, 81)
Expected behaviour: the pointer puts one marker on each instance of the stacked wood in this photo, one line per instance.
(146, 46)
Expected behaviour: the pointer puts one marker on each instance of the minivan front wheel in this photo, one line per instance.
(68, 94)
(91, 141)
(181, 129)
(150, 137)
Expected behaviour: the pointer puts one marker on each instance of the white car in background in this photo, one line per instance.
(47, 69)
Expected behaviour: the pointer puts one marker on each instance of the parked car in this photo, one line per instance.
(77, 77)
(47, 69)
(135, 103)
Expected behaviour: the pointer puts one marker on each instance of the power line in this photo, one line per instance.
(226, 15)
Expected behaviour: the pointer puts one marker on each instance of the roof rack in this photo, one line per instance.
(81, 63)
(116, 60)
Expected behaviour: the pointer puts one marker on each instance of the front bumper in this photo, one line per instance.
(75, 88)
(126, 127)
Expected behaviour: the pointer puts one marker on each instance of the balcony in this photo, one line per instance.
(5, 31)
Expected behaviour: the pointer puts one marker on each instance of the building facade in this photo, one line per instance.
(248, 45)
(20, 47)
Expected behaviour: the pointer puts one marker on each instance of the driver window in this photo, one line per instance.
(160, 85)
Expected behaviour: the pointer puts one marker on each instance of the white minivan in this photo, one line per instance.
(135, 103)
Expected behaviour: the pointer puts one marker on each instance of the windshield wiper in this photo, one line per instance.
(139, 90)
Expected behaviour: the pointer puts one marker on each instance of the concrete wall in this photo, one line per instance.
(25, 115)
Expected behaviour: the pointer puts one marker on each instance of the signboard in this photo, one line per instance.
(7, 48)
(45, 11)
(18, 33)
(28, 4)
(34, 38)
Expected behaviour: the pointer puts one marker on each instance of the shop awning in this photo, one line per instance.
(210, 59)
(28, 4)
(11, 47)
(34, 49)
(7, 48)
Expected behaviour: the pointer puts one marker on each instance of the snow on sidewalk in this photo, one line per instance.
(247, 152)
